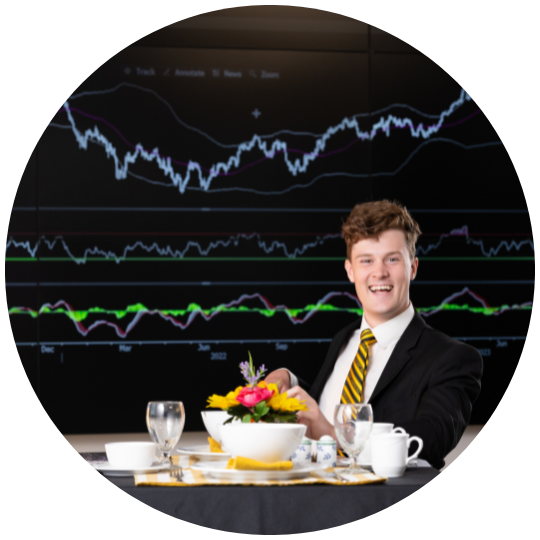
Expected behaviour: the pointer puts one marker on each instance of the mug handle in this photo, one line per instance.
(420, 446)
(398, 430)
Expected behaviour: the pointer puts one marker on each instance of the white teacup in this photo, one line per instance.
(390, 453)
(376, 429)
(131, 455)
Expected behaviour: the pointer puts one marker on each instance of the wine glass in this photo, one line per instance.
(165, 422)
(352, 422)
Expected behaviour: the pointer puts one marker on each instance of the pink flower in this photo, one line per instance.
(249, 397)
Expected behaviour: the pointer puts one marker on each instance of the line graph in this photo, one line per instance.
(336, 174)
(463, 232)
(167, 251)
(270, 149)
(264, 308)
(282, 132)
(197, 248)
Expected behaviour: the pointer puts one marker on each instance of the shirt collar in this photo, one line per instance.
(391, 330)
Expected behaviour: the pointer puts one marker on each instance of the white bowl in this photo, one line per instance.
(212, 420)
(263, 442)
(131, 455)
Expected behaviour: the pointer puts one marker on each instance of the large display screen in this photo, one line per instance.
(184, 207)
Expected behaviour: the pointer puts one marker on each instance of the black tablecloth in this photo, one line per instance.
(276, 509)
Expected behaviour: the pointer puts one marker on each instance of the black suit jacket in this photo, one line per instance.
(427, 387)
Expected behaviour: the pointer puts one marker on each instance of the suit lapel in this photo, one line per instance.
(331, 357)
(400, 355)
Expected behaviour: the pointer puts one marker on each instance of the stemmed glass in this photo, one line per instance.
(353, 422)
(165, 422)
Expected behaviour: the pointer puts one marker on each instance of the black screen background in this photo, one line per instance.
(459, 184)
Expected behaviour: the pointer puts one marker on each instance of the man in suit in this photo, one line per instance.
(416, 377)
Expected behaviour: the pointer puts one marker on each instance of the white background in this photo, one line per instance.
(49, 48)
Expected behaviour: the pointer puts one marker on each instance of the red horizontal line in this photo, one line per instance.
(477, 234)
(168, 234)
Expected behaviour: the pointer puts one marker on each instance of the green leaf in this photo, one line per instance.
(251, 370)
(247, 418)
(260, 407)
(281, 417)
(288, 418)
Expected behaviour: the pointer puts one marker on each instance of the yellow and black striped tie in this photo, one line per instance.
(354, 385)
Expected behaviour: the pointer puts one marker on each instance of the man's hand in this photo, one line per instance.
(280, 377)
(313, 418)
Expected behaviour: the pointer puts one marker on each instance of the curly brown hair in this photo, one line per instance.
(370, 219)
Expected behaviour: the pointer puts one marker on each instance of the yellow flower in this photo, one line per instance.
(271, 386)
(218, 402)
(280, 402)
(224, 402)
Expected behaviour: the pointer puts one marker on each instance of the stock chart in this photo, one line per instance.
(184, 207)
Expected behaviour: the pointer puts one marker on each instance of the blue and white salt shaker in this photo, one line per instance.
(327, 451)
(302, 455)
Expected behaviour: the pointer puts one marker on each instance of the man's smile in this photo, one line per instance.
(380, 288)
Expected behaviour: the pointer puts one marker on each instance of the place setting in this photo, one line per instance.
(165, 422)
(255, 439)
(251, 439)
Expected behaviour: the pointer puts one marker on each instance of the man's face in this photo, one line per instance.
(381, 271)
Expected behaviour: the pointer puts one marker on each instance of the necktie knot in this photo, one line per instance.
(367, 337)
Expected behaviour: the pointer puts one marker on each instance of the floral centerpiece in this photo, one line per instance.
(257, 401)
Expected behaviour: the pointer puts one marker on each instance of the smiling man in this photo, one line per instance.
(416, 377)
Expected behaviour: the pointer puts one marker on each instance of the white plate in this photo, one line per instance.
(218, 470)
(108, 470)
(202, 452)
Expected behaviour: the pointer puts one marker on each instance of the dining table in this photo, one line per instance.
(289, 509)
(260, 509)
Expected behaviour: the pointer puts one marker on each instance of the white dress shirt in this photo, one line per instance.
(387, 335)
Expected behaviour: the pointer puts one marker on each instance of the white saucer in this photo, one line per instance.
(108, 470)
(202, 452)
(218, 470)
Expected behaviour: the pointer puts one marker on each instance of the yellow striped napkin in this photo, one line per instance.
(193, 477)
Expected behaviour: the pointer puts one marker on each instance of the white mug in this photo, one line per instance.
(377, 428)
(389, 453)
